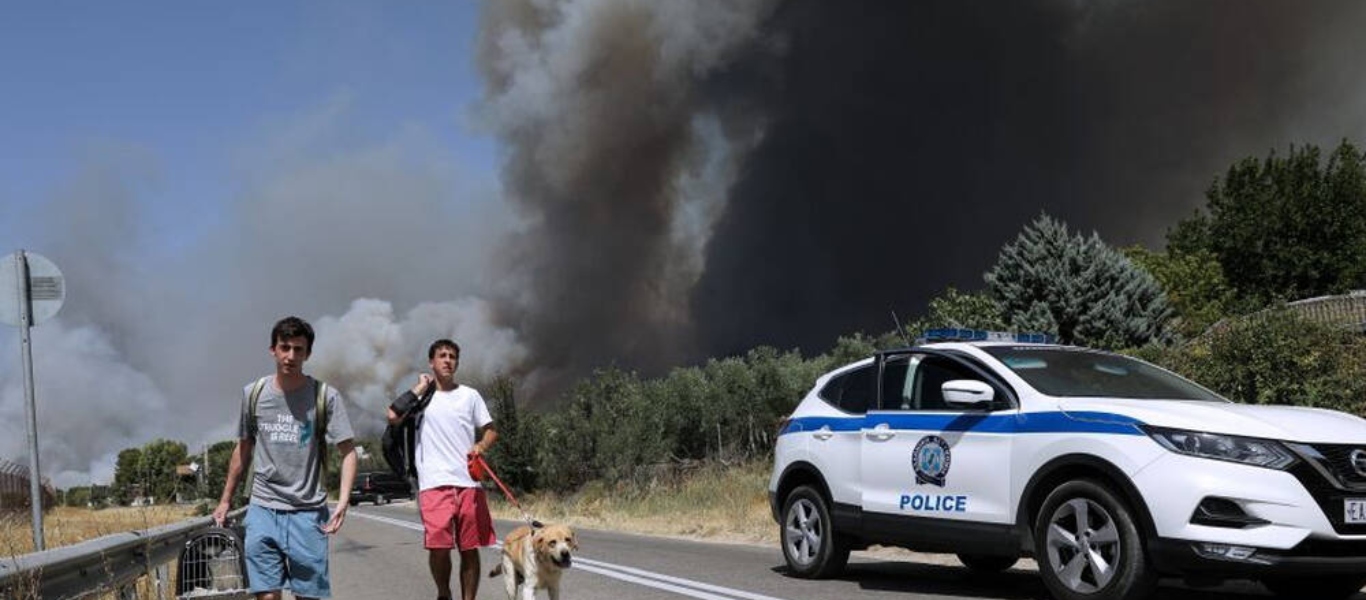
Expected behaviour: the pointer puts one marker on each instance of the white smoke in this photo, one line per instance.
(157, 339)
(90, 403)
(371, 354)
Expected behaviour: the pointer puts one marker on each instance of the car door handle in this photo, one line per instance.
(881, 433)
(823, 433)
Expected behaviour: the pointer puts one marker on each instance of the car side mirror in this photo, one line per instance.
(967, 393)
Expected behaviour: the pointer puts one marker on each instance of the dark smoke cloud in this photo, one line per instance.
(613, 159)
(873, 152)
(907, 141)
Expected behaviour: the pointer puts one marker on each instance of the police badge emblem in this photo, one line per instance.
(931, 459)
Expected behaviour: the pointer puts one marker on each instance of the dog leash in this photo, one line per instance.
(506, 492)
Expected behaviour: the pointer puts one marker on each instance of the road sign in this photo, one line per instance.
(47, 289)
(31, 291)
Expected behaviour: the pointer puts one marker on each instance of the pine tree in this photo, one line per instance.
(1078, 288)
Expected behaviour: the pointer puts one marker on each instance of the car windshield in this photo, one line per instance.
(1076, 372)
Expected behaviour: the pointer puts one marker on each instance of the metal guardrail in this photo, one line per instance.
(110, 564)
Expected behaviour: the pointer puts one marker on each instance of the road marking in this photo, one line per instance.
(665, 580)
(660, 581)
(392, 521)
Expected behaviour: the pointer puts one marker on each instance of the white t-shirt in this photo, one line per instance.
(446, 435)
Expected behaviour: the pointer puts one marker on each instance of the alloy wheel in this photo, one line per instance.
(1083, 545)
(804, 532)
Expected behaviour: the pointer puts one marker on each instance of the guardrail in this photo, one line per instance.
(110, 564)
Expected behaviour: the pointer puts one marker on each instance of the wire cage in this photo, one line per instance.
(212, 566)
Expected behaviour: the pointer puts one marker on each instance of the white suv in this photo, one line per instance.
(1109, 471)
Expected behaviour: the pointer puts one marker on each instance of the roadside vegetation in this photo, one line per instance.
(66, 525)
(712, 501)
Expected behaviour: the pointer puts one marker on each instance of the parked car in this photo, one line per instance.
(379, 487)
(1110, 472)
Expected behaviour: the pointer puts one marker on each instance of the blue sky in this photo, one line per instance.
(192, 86)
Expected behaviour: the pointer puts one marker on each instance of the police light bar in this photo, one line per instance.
(981, 335)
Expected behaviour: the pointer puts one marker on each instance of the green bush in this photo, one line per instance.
(1276, 357)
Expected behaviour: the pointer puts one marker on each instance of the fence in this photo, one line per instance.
(111, 564)
(1347, 310)
(14, 488)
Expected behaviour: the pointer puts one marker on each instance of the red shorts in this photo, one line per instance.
(455, 517)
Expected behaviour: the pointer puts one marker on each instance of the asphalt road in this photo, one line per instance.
(379, 555)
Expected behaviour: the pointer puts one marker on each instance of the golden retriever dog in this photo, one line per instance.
(535, 559)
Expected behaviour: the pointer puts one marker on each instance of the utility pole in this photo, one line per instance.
(38, 294)
(204, 470)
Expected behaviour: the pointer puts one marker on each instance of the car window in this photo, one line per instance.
(852, 391)
(915, 382)
(831, 392)
(1078, 372)
(896, 388)
(859, 390)
(928, 378)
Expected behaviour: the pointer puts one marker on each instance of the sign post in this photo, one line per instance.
(38, 294)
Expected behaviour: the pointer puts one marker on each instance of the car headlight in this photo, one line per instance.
(1249, 451)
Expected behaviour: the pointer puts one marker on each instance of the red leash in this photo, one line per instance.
(479, 458)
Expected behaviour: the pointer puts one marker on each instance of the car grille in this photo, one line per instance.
(1337, 463)
(1330, 487)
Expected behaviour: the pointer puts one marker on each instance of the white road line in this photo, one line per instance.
(677, 585)
(731, 592)
(659, 585)
(390, 520)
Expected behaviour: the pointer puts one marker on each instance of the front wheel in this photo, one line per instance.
(810, 545)
(1088, 546)
(1332, 587)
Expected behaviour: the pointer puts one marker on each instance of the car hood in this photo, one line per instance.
(1291, 423)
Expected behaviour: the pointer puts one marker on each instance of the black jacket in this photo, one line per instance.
(400, 440)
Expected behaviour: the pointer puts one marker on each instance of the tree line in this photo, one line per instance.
(1210, 305)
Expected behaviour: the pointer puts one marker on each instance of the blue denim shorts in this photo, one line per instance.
(286, 549)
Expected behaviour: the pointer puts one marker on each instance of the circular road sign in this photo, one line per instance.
(46, 287)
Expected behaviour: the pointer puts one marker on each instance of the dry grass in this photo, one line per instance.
(64, 526)
(715, 502)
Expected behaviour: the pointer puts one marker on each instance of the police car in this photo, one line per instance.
(1108, 471)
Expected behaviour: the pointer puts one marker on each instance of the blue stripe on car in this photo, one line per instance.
(1031, 422)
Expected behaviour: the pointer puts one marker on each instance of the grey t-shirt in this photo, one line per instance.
(285, 463)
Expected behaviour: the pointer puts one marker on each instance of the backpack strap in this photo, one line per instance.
(250, 419)
(411, 423)
(422, 403)
(320, 431)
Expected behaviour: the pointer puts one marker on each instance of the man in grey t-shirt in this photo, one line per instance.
(288, 521)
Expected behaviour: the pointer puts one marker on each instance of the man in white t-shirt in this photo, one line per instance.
(453, 428)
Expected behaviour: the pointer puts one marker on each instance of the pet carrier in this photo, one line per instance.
(212, 566)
